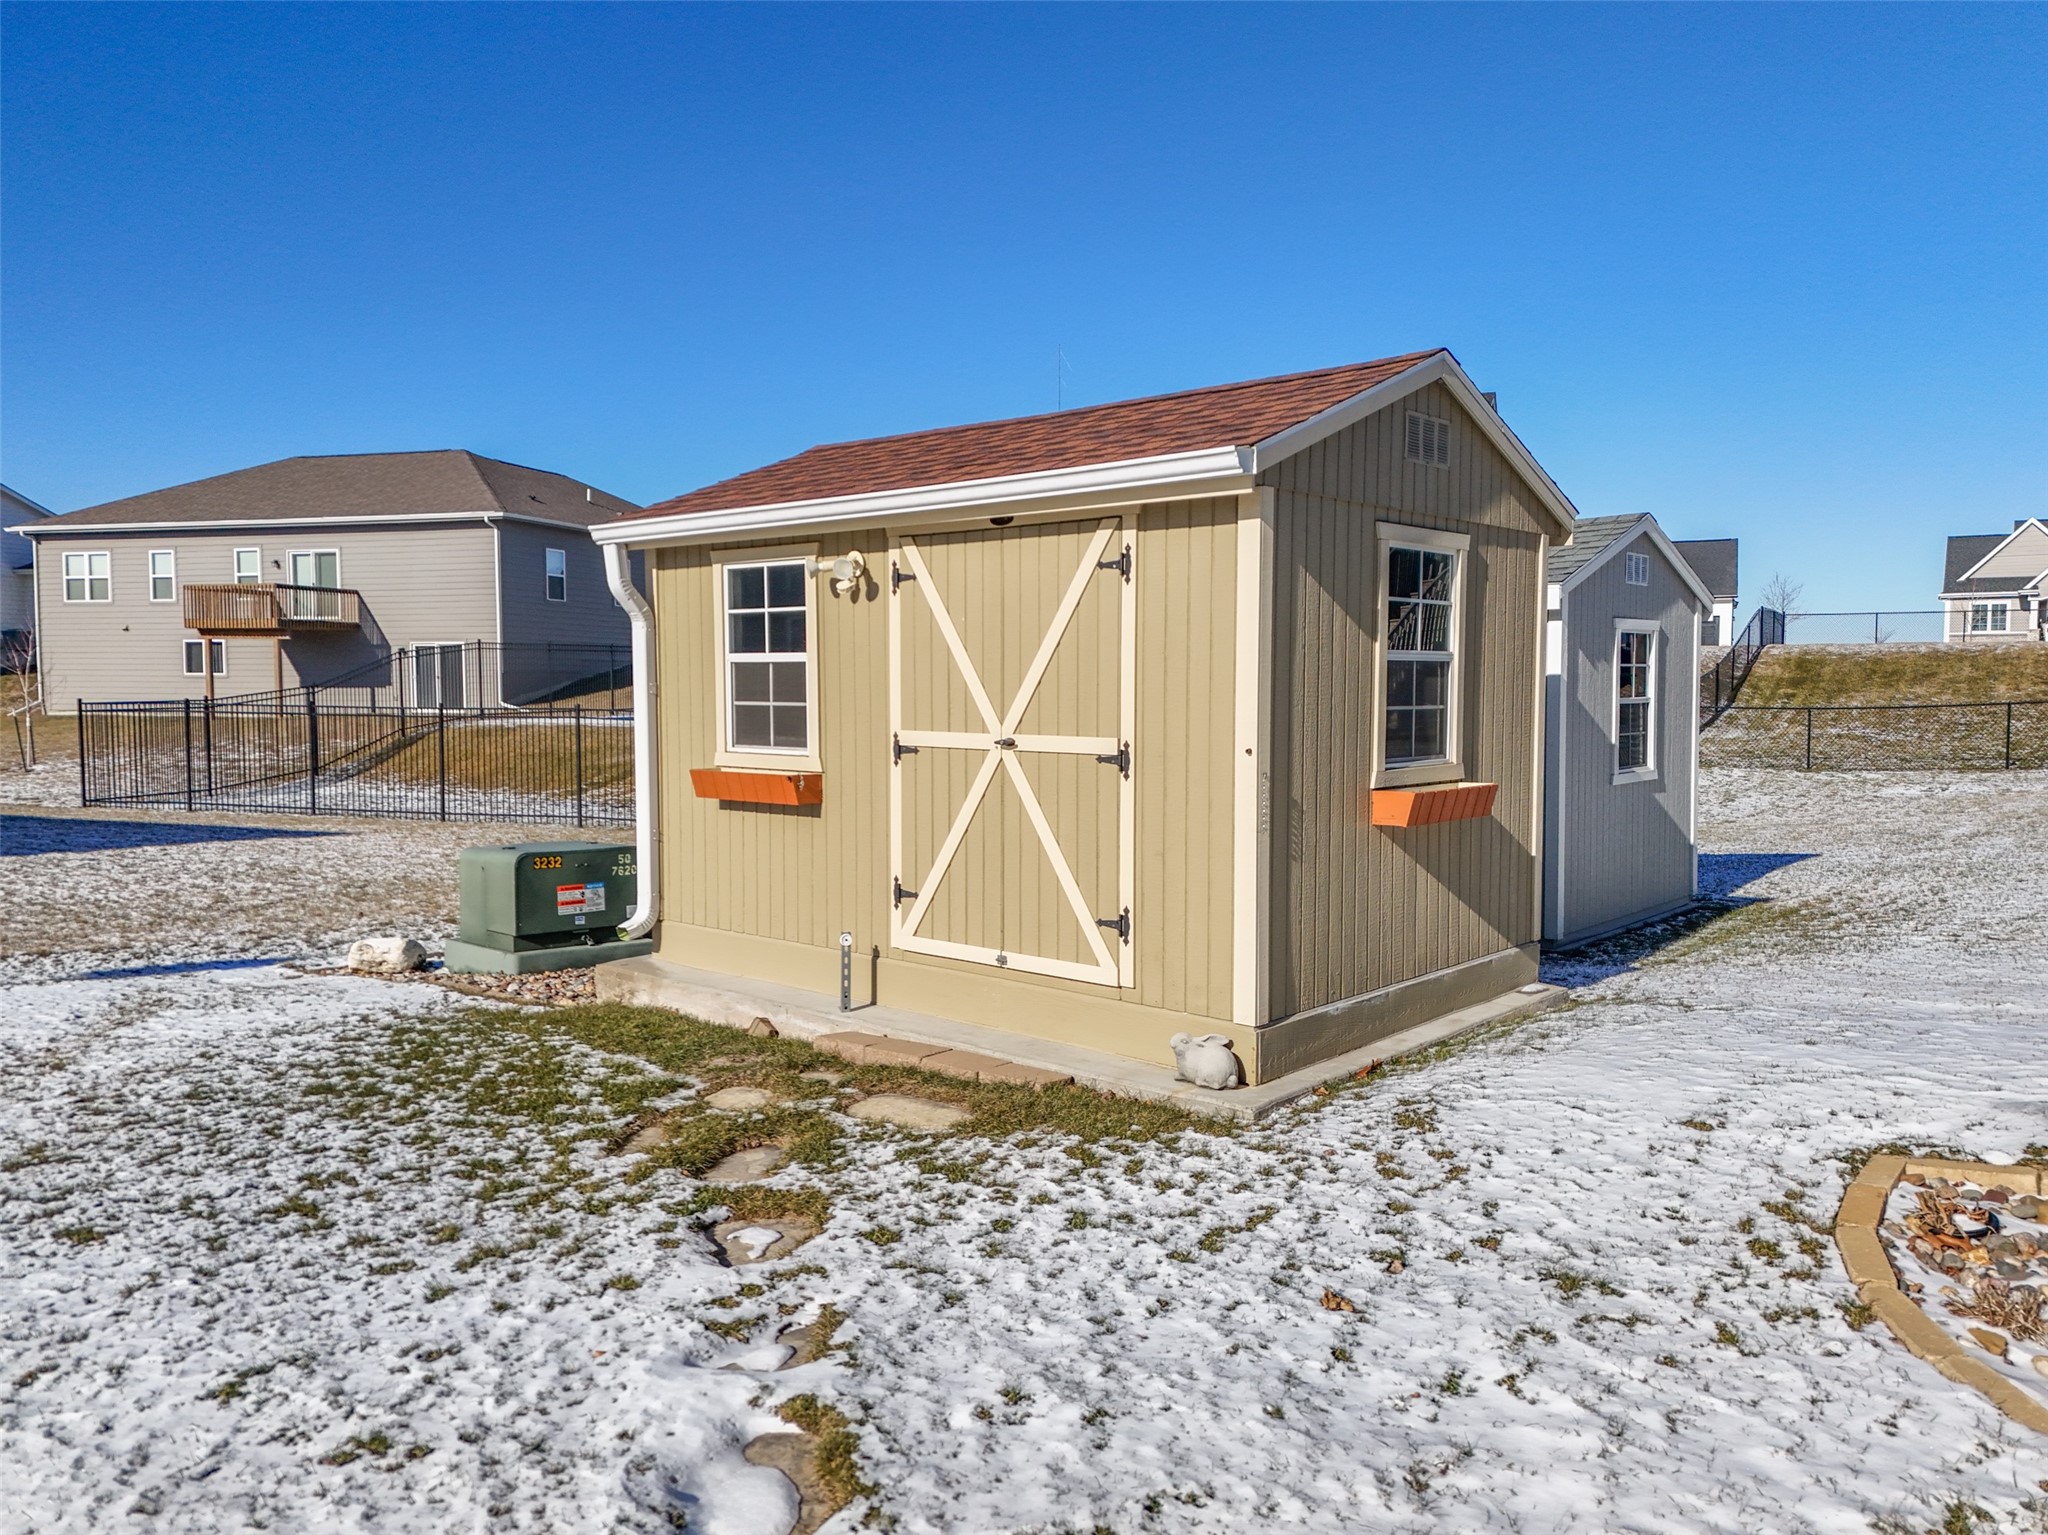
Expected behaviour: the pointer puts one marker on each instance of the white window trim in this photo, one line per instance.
(547, 576)
(1651, 772)
(65, 578)
(1990, 609)
(213, 648)
(1450, 768)
(172, 556)
(291, 560)
(723, 755)
(1632, 562)
(235, 566)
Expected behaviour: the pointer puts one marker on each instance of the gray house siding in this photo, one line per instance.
(588, 624)
(1618, 852)
(419, 584)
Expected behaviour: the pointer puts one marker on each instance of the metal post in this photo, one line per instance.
(2008, 735)
(441, 752)
(846, 972)
(79, 704)
(188, 753)
(209, 748)
(1809, 739)
(312, 754)
(579, 764)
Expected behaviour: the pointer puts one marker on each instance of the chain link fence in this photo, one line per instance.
(1932, 737)
(1887, 628)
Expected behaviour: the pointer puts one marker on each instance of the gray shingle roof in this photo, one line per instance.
(447, 480)
(1592, 535)
(1713, 560)
(1966, 550)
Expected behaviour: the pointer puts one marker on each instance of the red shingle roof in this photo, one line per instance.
(1225, 415)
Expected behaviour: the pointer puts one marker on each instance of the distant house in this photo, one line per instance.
(17, 563)
(1621, 728)
(1995, 585)
(469, 579)
(1713, 560)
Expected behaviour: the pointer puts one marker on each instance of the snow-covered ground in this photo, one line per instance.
(297, 1251)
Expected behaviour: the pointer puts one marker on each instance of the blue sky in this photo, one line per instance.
(1767, 271)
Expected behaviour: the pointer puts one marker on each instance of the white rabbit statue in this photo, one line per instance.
(1204, 1059)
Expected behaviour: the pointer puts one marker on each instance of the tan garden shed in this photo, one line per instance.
(1214, 712)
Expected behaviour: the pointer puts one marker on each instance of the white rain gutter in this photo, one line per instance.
(618, 574)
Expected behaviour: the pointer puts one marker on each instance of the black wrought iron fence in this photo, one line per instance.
(571, 765)
(1722, 681)
(1934, 737)
(470, 675)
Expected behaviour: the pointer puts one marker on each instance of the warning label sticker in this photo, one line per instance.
(578, 899)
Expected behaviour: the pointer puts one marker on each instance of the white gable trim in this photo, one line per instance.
(1440, 368)
(2032, 523)
(1672, 557)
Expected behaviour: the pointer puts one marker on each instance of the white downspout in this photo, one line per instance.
(618, 574)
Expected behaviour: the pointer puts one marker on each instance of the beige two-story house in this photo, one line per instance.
(441, 578)
(1995, 585)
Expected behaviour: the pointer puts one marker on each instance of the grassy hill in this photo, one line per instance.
(1897, 674)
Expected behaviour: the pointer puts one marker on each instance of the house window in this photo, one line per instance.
(1635, 684)
(88, 577)
(1635, 569)
(1421, 576)
(767, 657)
(163, 575)
(1987, 617)
(316, 567)
(248, 566)
(1429, 439)
(558, 575)
(195, 657)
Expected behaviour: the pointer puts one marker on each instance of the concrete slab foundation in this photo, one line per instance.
(475, 959)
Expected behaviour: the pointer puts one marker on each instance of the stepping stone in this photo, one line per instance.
(748, 1166)
(740, 1098)
(911, 1113)
(829, 1078)
(745, 1242)
(806, 1345)
(647, 1137)
(795, 1455)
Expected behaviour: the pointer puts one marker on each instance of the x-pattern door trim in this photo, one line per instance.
(1001, 744)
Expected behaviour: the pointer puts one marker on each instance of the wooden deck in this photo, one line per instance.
(270, 608)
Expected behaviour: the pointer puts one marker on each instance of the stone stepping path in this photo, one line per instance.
(741, 1099)
(795, 1455)
(880, 1050)
(911, 1113)
(748, 1166)
(761, 1241)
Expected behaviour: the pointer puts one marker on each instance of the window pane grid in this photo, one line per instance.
(1418, 668)
(767, 657)
(1632, 694)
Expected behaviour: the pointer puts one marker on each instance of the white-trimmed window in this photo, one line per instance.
(195, 657)
(1421, 584)
(1428, 439)
(1987, 617)
(1635, 701)
(88, 577)
(316, 567)
(163, 575)
(558, 575)
(1635, 569)
(767, 661)
(248, 567)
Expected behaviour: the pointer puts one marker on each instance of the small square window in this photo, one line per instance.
(1636, 569)
(248, 566)
(558, 575)
(88, 577)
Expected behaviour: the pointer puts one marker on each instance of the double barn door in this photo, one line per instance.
(1011, 708)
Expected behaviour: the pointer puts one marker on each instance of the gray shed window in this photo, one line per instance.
(1420, 587)
(767, 655)
(1634, 702)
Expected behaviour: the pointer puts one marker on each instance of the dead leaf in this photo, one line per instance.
(1332, 1301)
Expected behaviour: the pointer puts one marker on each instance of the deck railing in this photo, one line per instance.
(270, 607)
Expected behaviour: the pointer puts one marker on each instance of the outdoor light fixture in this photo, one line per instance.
(846, 572)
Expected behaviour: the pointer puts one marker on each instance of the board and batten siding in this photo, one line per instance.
(767, 890)
(1621, 851)
(1357, 908)
(419, 584)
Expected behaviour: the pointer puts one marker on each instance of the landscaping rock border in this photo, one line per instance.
(1863, 1255)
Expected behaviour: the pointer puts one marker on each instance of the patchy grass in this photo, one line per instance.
(1799, 675)
(837, 1463)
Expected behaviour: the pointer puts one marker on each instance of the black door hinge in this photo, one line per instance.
(897, 576)
(901, 894)
(1120, 924)
(898, 751)
(1120, 759)
(1121, 564)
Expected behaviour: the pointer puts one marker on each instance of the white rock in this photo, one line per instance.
(911, 1113)
(386, 956)
(1205, 1060)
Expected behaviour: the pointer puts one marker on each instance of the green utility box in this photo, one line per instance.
(543, 906)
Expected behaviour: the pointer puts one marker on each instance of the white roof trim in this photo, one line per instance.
(1205, 471)
(1647, 524)
(257, 524)
(1440, 367)
(2031, 522)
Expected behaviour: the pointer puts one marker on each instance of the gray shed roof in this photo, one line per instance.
(1713, 560)
(1966, 550)
(1589, 538)
(439, 482)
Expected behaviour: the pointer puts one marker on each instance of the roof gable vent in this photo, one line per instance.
(1636, 569)
(1429, 439)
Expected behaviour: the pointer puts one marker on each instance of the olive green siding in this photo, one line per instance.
(1355, 907)
(801, 876)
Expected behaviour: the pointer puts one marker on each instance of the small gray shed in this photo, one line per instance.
(1621, 729)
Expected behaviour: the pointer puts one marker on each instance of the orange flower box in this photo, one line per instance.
(736, 786)
(1432, 806)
